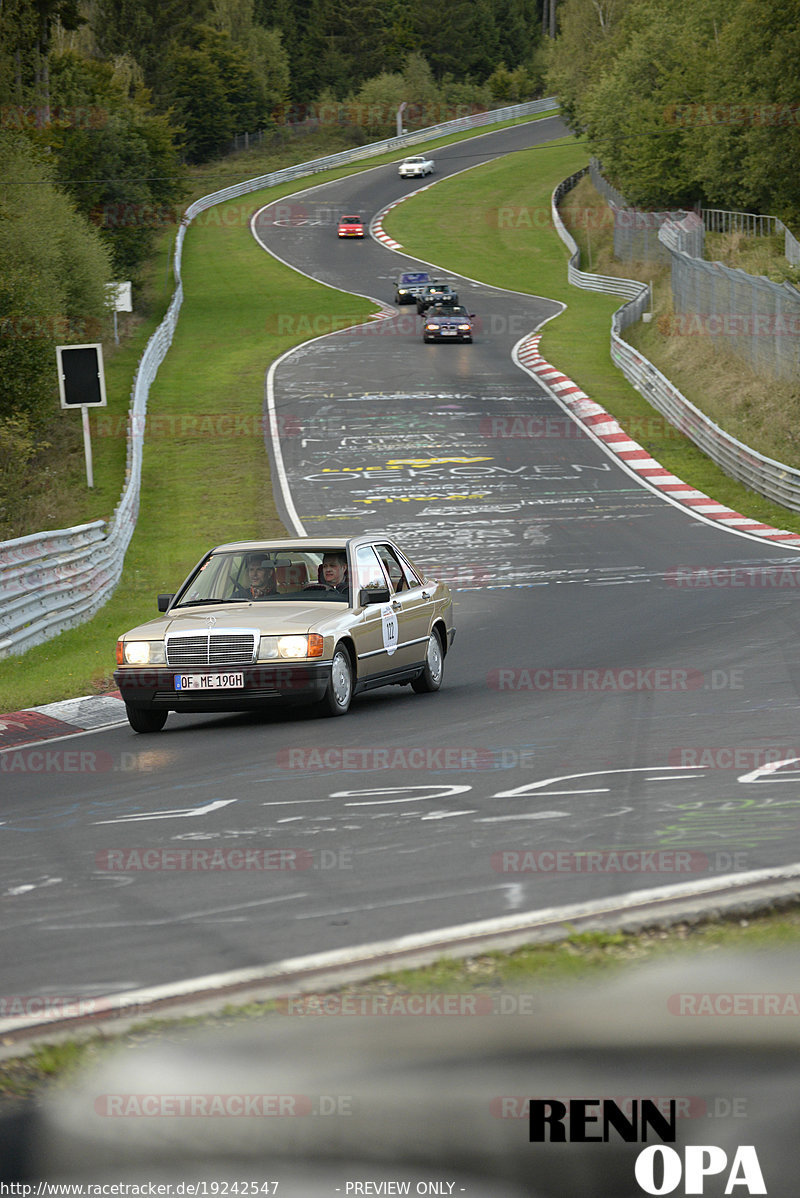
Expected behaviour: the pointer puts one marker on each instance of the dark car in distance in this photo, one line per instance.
(409, 285)
(447, 322)
(435, 293)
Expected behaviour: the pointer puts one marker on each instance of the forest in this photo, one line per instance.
(686, 104)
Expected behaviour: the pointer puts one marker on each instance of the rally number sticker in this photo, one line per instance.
(389, 623)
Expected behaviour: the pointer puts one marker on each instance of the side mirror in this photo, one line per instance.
(368, 597)
(164, 602)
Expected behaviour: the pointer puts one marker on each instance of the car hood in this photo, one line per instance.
(267, 617)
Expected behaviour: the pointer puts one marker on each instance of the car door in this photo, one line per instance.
(377, 629)
(413, 605)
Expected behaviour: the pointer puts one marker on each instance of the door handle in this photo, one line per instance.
(396, 606)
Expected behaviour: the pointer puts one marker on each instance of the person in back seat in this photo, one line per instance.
(260, 578)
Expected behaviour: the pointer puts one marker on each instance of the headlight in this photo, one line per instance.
(463, 328)
(267, 648)
(143, 653)
(300, 646)
(430, 328)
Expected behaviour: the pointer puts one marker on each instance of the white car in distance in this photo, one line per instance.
(415, 167)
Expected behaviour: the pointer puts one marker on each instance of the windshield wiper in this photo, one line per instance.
(207, 602)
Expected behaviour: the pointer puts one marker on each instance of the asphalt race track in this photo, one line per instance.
(623, 674)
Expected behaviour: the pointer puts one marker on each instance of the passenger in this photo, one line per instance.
(260, 577)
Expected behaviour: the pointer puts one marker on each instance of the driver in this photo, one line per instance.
(260, 577)
(334, 571)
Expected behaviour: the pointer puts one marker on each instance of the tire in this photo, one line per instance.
(431, 677)
(146, 719)
(339, 693)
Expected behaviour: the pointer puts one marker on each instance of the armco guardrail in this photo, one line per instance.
(637, 294)
(770, 478)
(51, 581)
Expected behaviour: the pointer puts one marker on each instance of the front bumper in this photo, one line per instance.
(293, 682)
(441, 335)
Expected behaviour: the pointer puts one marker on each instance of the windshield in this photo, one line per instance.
(268, 575)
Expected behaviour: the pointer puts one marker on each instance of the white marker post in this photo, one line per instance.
(81, 384)
(119, 296)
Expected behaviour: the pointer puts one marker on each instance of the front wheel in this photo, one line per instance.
(145, 719)
(431, 677)
(339, 692)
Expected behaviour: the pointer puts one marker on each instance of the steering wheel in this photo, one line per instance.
(318, 586)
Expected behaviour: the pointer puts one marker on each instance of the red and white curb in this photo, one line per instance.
(376, 228)
(606, 429)
(55, 720)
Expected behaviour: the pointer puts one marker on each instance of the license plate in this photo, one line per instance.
(448, 332)
(208, 682)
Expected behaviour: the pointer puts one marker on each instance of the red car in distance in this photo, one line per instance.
(351, 226)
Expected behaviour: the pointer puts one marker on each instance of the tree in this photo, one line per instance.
(588, 39)
(52, 284)
(627, 113)
(120, 163)
(147, 30)
(26, 28)
(745, 142)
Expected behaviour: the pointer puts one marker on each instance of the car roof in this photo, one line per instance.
(351, 218)
(299, 544)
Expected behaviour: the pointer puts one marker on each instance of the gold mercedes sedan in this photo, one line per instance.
(313, 621)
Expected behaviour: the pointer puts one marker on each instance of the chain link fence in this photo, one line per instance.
(753, 317)
(776, 480)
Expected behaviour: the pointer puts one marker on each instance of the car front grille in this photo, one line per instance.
(214, 649)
